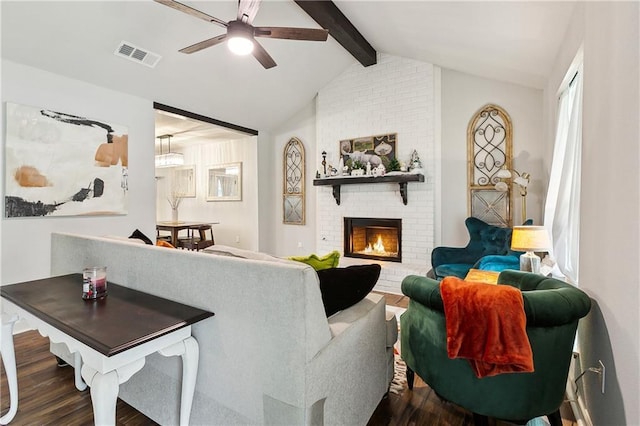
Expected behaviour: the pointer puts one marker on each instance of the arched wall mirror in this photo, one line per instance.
(489, 148)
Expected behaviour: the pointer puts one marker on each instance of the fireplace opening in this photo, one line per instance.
(372, 238)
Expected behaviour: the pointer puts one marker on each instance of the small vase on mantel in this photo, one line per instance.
(174, 215)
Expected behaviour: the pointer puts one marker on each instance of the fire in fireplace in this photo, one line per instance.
(373, 238)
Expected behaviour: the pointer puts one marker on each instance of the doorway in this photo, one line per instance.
(196, 145)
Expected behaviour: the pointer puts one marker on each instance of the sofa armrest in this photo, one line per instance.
(424, 290)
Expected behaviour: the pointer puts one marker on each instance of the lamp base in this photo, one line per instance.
(530, 262)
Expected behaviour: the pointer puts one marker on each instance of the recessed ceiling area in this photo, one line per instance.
(185, 131)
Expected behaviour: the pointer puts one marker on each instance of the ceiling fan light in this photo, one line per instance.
(240, 45)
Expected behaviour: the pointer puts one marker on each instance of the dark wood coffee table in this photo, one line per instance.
(110, 337)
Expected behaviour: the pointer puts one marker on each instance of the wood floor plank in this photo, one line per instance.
(48, 395)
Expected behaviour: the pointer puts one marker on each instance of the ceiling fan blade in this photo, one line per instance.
(204, 44)
(191, 11)
(247, 10)
(311, 34)
(262, 56)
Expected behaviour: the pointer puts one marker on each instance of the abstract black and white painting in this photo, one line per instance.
(58, 164)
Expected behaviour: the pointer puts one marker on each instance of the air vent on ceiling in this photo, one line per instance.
(136, 54)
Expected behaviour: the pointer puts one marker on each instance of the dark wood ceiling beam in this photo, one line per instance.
(327, 14)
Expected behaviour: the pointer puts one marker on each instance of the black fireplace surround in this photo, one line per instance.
(373, 238)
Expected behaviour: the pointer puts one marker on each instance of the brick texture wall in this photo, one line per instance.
(394, 96)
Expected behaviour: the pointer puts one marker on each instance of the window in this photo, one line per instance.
(562, 208)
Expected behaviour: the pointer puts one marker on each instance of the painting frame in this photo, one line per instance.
(293, 191)
(224, 182)
(377, 149)
(63, 164)
(184, 178)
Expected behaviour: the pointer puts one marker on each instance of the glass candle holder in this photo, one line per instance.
(94, 282)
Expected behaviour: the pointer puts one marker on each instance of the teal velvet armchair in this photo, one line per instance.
(489, 249)
(552, 309)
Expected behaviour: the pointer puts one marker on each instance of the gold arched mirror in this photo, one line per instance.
(489, 148)
(293, 183)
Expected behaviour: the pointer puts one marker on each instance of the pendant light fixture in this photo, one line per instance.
(171, 159)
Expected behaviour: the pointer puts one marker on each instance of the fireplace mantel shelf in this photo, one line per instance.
(402, 180)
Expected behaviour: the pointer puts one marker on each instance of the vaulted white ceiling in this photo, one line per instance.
(510, 41)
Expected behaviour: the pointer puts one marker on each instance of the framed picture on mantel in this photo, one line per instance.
(376, 150)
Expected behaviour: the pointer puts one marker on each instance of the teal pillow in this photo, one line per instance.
(329, 260)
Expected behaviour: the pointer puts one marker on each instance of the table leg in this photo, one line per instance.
(188, 350)
(174, 237)
(77, 367)
(9, 361)
(104, 395)
(104, 390)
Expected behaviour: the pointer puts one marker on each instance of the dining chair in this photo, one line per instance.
(197, 238)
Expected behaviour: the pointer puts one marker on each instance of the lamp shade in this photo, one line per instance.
(530, 238)
(171, 159)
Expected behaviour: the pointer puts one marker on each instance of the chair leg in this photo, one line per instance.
(410, 376)
(555, 419)
(480, 420)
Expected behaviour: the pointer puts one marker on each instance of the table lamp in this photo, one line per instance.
(530, 239)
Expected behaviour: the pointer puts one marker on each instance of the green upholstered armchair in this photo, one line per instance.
(552, 309)
(484, 240)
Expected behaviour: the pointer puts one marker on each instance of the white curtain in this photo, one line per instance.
(562, 209)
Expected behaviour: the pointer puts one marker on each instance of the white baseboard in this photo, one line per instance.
(576, 400)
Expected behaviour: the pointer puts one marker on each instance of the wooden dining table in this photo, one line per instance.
(176, 227)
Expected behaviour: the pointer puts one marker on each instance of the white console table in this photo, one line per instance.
(109, 338)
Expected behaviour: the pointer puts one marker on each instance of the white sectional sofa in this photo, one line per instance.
(268, 356)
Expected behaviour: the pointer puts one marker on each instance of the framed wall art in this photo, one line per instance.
(224, 182)
(184, 181)
(293, 178)
(59, 164)
(376, 150)
(489, 149)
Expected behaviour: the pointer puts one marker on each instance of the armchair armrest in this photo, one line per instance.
(548, 301)
(425, 291)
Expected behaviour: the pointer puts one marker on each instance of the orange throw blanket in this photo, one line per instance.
(486, 324)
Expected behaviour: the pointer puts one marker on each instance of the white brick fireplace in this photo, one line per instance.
(397, 95)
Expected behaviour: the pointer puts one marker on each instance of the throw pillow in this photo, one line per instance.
(329, 260)
(344, 287)
(162, 243)
(140, 236)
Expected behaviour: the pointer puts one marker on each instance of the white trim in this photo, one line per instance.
(437, 153)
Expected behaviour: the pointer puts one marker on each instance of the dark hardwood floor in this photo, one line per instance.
(49, 397)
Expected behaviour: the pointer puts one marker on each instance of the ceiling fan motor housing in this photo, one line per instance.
(239, 29)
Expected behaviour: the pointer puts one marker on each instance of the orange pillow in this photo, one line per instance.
(162, 243)
(486, 277)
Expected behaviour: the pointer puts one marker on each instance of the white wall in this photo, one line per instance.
(26, 241)
(397, 95)
(267, 193)
(293, 240)
(238, 220)
(462, 96)
(610, 202)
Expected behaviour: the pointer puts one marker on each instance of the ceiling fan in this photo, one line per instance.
(240, 35)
